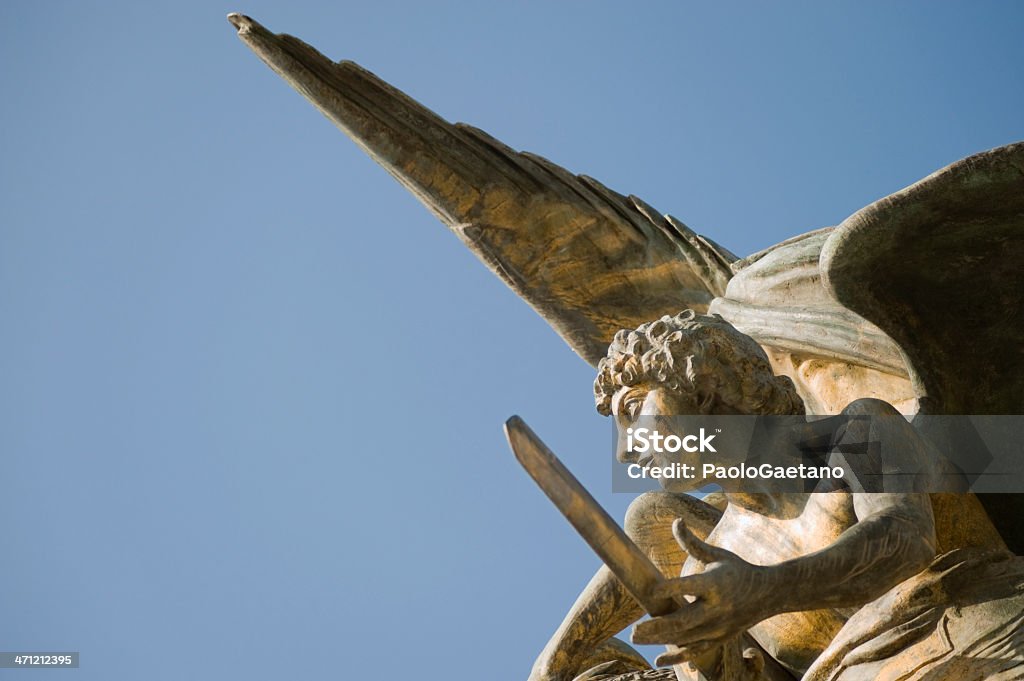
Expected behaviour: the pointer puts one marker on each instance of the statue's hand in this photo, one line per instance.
(716, 605)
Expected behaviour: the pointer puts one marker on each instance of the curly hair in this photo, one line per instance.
(704, 356)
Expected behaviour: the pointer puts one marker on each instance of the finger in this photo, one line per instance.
(702, 551)
(686, 624)
(681, 654)
(659, 630)
(678, 588)
(679, 631)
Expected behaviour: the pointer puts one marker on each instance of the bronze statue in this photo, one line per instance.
(915, 302)
(828, 584)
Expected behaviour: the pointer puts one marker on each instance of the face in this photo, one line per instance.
(641, 406)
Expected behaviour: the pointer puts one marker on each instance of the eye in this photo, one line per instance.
(632, 408)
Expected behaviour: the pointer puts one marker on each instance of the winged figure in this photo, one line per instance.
(918, 296)
(916, 299)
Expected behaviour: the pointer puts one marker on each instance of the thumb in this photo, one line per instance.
(702, 551)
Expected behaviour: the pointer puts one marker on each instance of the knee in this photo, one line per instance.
(870, 406)
(641, 512)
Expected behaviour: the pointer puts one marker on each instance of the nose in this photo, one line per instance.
(622, 453)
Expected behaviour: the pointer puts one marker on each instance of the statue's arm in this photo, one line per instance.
(893, 539)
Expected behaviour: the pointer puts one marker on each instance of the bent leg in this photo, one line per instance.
(649, 524)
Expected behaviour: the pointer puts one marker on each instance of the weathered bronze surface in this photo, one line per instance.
(831, 585)
(915, 302)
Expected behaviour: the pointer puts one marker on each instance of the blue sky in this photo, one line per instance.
(252, 392)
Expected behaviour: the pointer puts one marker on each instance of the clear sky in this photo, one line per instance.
(251, 392)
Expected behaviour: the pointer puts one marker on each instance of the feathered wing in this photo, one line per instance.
(939, 267)
(589, 260)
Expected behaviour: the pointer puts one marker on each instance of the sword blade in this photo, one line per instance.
(624, 558)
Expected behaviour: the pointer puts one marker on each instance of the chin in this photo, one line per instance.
(679, 486)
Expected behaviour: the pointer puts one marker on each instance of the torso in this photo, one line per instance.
(814, 522)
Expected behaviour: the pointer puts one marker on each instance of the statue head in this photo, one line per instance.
(697, 365)
(685, 365)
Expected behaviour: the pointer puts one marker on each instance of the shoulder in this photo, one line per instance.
(870, 406)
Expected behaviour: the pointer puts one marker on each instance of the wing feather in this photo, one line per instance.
(589, 260)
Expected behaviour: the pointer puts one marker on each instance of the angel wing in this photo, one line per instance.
(939, 266)
(589, 260)
(927, 282)
(935, 268)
